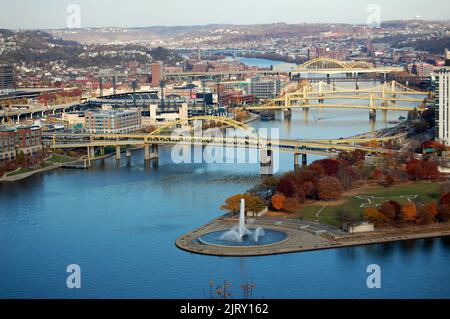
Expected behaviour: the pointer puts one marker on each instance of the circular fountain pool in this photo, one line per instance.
(219, 238)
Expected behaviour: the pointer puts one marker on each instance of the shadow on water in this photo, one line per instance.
(379, 250)
(445, 241)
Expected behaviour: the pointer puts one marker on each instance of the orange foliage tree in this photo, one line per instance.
(252, 203)
(329, 188)
(374, 216)
(278, 201)
(409, 212)
(291, 204)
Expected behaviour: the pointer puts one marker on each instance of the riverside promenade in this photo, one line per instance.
(302, 236)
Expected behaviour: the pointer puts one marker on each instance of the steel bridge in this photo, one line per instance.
(332, 66)
(383, 97)
(164, 136)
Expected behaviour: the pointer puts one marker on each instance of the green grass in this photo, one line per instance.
(20, 171)
(427, 192)
(59, 159)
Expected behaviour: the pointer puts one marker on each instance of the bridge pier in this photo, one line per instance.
(384, 115)
(155, 151)
(128, 152)
(147, 155)
(91, 152)
(373, 115)
(102, 150)
(118, 154)
(306, 114)
(287, 114)
(266, 162)
(304, 160)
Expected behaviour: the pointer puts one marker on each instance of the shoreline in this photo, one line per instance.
(301, 237)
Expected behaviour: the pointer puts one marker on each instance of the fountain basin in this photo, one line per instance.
(270, 237)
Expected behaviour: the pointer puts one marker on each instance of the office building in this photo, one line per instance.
(442, 101)
(7, 143)
(264, 88)
(157, 73)
(447, 57)
(29, 139)
(26, 139)
(113, 121)
(6, 77)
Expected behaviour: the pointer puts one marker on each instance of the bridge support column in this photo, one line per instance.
(306, 114)
(128, 152)
(118, 154)
(287, 114)
(373, 115)
(91, 152)
(102, 150)
(385, 116)
(266, 162)
(155, 151)
(147, 155)
(296, 162)
(304, 160)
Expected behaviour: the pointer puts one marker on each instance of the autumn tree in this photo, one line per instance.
(374, 216)
(408, 212)
(389, 180)
(430, 170)
(414, 169)
(330, 167)
(287, 185)
(329, 188)
(425, 216)
(391, 209)
(252, 203)
(278, 201)
(291, 204)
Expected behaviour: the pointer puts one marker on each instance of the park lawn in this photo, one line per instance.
(59, 159)
(426, 192)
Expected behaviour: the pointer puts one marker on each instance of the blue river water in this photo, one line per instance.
(119, 224)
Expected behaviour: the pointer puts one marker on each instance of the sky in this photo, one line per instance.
(50, 14)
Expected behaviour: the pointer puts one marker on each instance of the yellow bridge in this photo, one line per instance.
(382, 97)
(165, 136)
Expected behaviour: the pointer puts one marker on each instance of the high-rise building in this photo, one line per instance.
(447, 57)
(6, 77)
(442, 101)
(157, 73)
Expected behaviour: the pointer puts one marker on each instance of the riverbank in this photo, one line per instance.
(302, 236)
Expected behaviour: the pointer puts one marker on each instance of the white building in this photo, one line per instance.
(264, 88)
(363, 227)
(113, 121)
(443, 104)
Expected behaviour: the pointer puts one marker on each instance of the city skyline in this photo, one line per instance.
(49, 15)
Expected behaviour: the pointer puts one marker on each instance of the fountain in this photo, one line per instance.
(240, 235)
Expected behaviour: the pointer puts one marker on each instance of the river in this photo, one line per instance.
(119, 223)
